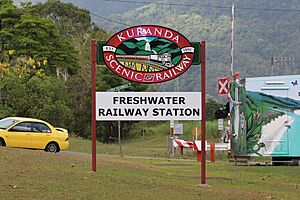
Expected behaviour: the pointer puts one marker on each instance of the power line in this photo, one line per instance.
(208, 6)
(108, 19)
(187, 5)
(168, 4)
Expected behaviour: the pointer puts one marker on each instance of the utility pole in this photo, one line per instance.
(119, 135)
(232, 35)
(281, 61)
(231, 75)
(173, 122)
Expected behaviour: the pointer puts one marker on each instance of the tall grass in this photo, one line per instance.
(153, 129)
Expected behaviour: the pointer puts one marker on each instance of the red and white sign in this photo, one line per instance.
(223, 86)
(183, 143)
(197, 145)
(148, 54)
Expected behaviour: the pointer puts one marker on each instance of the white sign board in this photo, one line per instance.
(220, 124)
(178, 129)
(137, 106)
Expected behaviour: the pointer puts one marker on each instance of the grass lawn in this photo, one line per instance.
(153, 146)
(30, 174)
(154, 143)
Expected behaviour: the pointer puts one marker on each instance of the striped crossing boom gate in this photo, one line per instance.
(196, 146)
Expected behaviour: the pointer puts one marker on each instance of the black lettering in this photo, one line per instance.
(145, 111)
(143, 100)
(138, 112)
(115, 99)
(181, 112)
(175, 100)
(155, 112)
(115, 111)
(196, 112)
(101, 112)
(122, 100)
(176, 111)
(188, 112)
(129, 112)
(169, 112)
(129, 100)
(181, 100)
(161, 100)
(168, 99)
(152, 100)
(108, 112)
(135, 100)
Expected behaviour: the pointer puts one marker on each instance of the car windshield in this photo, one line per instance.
(7, 122)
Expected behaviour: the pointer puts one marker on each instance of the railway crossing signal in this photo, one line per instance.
(223, 86)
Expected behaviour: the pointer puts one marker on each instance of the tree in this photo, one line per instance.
(9, 15)
(42, 98)
(211, 107)
(68, 17)
(26, 32)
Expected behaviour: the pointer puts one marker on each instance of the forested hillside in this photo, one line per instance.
(263, 29)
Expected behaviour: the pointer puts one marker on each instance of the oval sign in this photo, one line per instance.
(148, 54)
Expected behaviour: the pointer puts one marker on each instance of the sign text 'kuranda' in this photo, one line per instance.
(127, 106)
(148, 54)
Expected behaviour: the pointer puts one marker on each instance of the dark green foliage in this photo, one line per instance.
(211, 107)
(45, 99)
(9, 15)
(29, 32)
(68, 17)
(24, 30)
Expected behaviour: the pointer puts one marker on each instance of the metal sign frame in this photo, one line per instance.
(202, 56)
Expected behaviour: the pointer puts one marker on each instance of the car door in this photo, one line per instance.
(41, 135)
(20, 135)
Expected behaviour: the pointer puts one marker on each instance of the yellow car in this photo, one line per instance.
(33, 134)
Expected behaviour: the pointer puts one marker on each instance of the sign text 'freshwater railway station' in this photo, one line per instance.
(148, 106)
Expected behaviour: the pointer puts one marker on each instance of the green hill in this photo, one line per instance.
(262, 30)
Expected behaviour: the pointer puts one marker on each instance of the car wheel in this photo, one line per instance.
(52, 147)
(2, 143)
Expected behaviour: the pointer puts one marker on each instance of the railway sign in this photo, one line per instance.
(141, 106)
(223, 86)
(178, 129)
(148, 54)
(220, 124)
